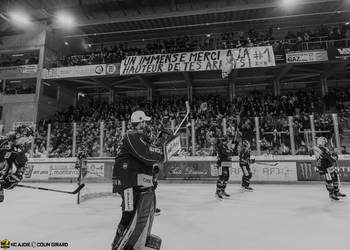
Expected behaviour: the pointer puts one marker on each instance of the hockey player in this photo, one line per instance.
(12, 153)
(244, 163)
(133, 178)
(224, 153)
(325, 163)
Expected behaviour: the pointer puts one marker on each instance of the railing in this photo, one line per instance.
(293, 135)
(281, 47)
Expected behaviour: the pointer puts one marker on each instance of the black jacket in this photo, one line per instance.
(8, 157)
(136, 156)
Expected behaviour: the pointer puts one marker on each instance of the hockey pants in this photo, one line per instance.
(247, 175)
(222, 180)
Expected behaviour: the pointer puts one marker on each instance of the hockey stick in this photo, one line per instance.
(183, 120)
(54, 190)
(267, 164)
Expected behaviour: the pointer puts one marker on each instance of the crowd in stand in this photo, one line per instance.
(19, 89)
(7, 60)
(228, 40)
(208, 113)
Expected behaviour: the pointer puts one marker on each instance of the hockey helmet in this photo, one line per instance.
(321, 141)
(246, 144)
(23, 137)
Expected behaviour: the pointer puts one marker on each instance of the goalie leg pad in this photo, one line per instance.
(139, 228)
(2, 195)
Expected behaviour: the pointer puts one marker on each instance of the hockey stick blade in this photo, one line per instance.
(54, 190)
(267, 164)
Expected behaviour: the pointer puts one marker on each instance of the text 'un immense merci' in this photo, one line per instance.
(189, 61)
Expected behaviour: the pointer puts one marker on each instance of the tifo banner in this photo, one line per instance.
(307, 56)
(224, 60)
(26, 123)
(307, 171)
(75, 71)
(113, 69)
(18, 71)
(338, 53)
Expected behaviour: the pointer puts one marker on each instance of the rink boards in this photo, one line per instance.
(266, 169)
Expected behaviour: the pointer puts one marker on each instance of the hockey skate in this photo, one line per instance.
(339, 194)
(225, 195)
(219, 194)
(247, 188)
(157, 212)
(333, 196)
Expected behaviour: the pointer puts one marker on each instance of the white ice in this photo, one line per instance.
(273, 217)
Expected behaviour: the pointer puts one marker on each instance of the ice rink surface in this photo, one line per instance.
(273, 217)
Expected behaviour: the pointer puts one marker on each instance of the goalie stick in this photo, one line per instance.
(184, 119)
(267, 163)
(54, 190)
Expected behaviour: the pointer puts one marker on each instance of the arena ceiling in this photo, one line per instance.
(103, 21)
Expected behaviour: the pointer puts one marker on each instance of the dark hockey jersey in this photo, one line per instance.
(134, 161)
(8, 158)
(324, 158)
(224, 153)
(244, 157)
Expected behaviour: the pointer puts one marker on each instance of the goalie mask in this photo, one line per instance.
(321, 141)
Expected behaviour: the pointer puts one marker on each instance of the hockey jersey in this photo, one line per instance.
(324, 158)
(244, 157)
(224, 153)
(134, 161)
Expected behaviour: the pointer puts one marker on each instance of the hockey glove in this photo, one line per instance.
(252, 161)
(155, 184)
(115, 188)
(155, 169)
(11, 181)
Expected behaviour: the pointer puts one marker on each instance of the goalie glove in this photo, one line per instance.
(11, 181)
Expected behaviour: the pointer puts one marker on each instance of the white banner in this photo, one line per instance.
(66, 170)
(224, 60)
(284, 171)
(35, 172)
(307, 56)
(96, 170)
(26, 123)
(29, 69)
(75, 71)
(172, 147)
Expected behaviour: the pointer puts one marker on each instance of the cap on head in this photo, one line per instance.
(139, 116)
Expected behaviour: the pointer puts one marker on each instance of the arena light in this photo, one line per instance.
(65, 20)
(66, 43)
(20, 18)
(290, 3)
